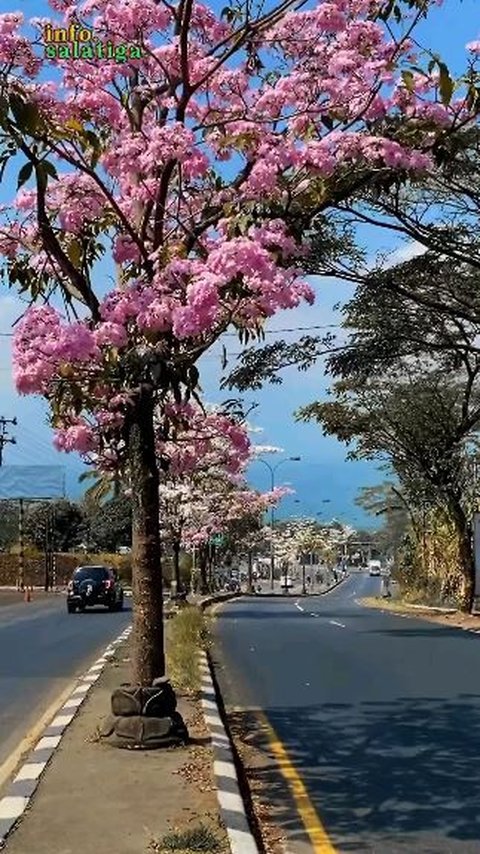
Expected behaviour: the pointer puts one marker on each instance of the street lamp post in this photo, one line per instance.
(272, 470)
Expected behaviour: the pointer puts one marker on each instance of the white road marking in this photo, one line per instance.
(313, 615)
(299, 607)
(335, 623)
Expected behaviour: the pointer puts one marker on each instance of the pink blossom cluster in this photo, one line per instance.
(212, 512)
(202, 442)
(16, 50)
(140, 148)
(204, 488)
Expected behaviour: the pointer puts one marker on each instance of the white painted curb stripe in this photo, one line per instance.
(30, 771)
(13, 805)
(231, 802)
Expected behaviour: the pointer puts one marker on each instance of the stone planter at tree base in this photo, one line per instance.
(145, 718)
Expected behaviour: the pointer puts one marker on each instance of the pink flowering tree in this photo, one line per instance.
(203, 489)
(194, 162)
(197, 447)
(222, 507)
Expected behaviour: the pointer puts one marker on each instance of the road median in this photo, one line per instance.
(103, 800)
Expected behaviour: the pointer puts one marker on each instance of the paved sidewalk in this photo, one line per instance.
(96, 799)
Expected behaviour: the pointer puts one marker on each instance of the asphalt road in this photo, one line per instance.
(42, 649)
(380, 717)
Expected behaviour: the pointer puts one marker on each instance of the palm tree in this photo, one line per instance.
(107, 485)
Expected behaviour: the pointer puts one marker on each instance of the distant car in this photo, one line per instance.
(124, 550)
(374, 567)
(94, 585)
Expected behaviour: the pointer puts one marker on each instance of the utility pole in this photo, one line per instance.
(21, 561)
(5, 439)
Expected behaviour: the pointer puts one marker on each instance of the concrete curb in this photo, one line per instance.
(337, 583)
(21, 790)
(232, 807)
(296, 595)
(220, 597)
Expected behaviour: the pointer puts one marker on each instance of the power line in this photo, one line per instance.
(266, 331)
(293, 329)
(5, 439)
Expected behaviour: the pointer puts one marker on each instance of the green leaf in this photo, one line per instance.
(25, 113)
(50, 169)
(408, 80)
(4, 109)
(386, 11)
(75, 252)
(193, 376)
(446, 84)
(24, 174)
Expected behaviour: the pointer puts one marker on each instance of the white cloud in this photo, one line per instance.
(405, 253)
(267, 449)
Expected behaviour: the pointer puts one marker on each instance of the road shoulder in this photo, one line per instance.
(443, 616)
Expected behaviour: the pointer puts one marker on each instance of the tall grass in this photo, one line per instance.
(187, 633)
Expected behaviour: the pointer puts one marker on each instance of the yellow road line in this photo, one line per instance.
(318, 836)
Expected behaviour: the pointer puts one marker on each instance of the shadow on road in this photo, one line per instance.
(100, 610)
(378, 771)
(433, 631)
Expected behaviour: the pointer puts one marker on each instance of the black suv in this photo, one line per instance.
(94, 585)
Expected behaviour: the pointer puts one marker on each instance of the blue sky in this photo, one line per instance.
(322, 474)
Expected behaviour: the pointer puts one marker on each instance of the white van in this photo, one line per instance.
(374, 567)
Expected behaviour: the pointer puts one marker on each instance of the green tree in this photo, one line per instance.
(386, 502)
(110, 525)
(8, 523)
(422, 426)
(64, 518)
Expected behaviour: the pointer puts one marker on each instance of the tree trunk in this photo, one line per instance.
(203, 560)
(465, 550)
(176, 564)
(250, 571)
(148, 659)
